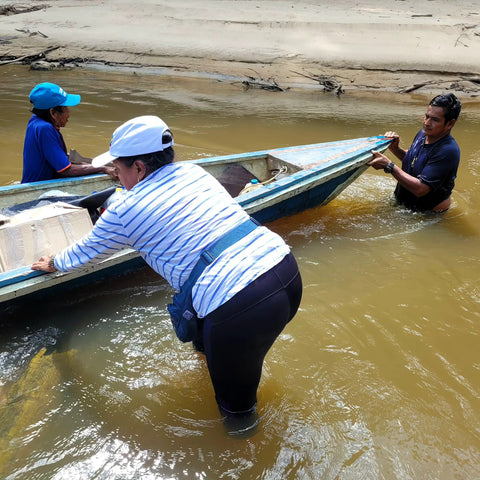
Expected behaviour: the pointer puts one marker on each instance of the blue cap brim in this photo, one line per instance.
(71, 100)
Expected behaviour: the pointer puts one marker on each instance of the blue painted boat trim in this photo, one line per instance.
(295, 203)
(293, 180)
(377, 141)
(69, 284)
(65, 181)
(18, 275)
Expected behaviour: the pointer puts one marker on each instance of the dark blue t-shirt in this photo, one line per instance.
(434, 164)
(44, 151)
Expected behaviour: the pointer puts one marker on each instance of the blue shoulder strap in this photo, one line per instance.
(225, 241)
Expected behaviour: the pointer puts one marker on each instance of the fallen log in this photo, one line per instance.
(13, 10)
(29, 58)
(414, 87)
(453, 84)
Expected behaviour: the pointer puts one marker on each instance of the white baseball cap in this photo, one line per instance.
(138, 136)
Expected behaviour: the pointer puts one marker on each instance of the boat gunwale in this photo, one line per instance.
(41, 184)
(346, 162)
(282, 189)
(18, 189)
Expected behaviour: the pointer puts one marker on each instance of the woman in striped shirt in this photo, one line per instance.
(171, 213)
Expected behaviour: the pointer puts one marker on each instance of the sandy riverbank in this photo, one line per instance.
(394, 45)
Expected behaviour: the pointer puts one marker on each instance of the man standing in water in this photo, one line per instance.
(429, 166)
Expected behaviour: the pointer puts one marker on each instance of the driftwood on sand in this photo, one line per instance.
(462, 84)
(258, 82)
(26, 59)
(17, 9)
(329, 84)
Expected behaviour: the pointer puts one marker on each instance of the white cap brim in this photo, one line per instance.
(139, 136)
(103, 159)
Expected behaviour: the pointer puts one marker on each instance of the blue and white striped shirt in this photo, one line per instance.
(170, 217)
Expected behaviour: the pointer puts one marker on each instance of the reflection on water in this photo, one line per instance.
(377, 376)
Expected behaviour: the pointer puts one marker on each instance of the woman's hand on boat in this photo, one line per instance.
(44, 264)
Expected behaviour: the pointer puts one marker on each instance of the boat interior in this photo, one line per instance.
(237, 177)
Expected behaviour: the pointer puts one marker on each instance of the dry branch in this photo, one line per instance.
(453, 84)
(30, 33)
(414, 87)
(330, 84)
(268, 84)
(29, 58)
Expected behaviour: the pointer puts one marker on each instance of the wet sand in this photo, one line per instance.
(422, 46)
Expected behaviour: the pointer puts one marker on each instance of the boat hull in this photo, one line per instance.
(316, 174)
(313, 197)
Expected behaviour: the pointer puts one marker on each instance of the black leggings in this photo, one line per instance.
(239, 333)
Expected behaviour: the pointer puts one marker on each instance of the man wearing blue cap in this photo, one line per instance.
(45, 153)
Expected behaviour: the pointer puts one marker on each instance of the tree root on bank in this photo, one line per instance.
(329, 84)
(26, 59)
(465, 84)
(258, 82)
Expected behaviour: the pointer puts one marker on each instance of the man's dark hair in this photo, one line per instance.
(153, 161)
(450, 103)
(45, 114)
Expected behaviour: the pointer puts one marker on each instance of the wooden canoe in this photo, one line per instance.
(288, 181)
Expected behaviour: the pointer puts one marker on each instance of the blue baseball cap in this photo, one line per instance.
(48, 95)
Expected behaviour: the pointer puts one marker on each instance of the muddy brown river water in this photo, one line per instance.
(378, 375)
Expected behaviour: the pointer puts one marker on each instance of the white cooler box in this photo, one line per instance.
(37, 232)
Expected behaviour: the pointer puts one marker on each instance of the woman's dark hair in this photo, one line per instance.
(155, 160)
(45, 114)
(450, 103)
